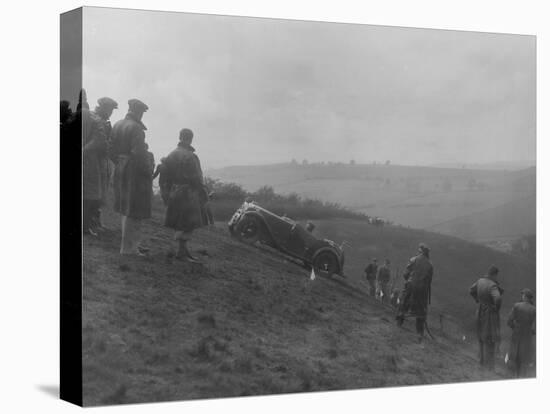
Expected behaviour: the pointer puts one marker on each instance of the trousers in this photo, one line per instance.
(131, 235)
(487, 354)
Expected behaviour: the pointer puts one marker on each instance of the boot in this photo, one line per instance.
(399, 319)
(183, 253)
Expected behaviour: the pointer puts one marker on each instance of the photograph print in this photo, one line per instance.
(278, 206)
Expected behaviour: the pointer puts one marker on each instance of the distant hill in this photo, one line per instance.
(419, 197)
(502, 165)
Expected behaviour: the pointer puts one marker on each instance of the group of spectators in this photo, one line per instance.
(414, 298)
(117, 159)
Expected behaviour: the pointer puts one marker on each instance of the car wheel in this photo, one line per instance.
(249, 229)
(326, 262)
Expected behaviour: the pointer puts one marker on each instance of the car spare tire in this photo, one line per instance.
(326, 262)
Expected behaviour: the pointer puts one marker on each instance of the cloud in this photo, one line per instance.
(266, 90)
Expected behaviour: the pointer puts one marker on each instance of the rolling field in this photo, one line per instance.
(418, 197)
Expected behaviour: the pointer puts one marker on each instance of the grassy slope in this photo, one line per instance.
(457, 263)
(507, 220)
(246, 323)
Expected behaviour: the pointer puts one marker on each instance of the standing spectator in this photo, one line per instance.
(94, 152)
(488, 294)
(132, 179)
(383, 277)
(184, 183)
(104, 110)
(417, 290)
(522, 320)
(370, 274)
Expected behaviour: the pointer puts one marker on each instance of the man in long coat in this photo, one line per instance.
(185, 193)
(132, 178)
(370, 275)
(488, 294)
(383, 277)
(94, 151)
(104, 110)
(522, 320)
(416, 294)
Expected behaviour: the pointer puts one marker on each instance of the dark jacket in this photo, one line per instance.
(383, 276)
(133, 185)
(105, 162)
(370, 271)
(183, 181)
(418, 281)
(522, 320)
(94, 156)
(488, 294)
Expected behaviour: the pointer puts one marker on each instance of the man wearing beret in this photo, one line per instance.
(132, 180)
(186, 193)
(522, 320)
(416, 293)
(103, 111)
(488, 295)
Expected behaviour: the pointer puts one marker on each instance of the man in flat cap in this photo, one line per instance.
(416, 295)
(103, 111)
(94, 151)
(488, 295)
(522, 320)
(183, 181)
(132, 180)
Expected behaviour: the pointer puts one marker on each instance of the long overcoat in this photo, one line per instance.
(183, 181)
(488, 294)
(107, 166)
(522, 319)
(132, 181)
(418, 280)
(94, 156)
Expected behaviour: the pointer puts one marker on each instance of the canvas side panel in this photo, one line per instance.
(71, 208)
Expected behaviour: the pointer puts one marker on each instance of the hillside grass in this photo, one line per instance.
(457, 265)
(248, 322)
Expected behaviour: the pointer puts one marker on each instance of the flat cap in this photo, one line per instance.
(137, 105)
(528, 293)
(107, 102)
(423, 247)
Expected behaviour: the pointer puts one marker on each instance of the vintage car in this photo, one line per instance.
(252, 224)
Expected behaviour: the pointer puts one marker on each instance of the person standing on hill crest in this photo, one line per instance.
(383, 277)
(522, 319)
(133, 184)
(488, 295)
(370, 273)
(416, 295)
(183, 180)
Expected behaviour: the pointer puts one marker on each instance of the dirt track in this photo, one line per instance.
(246, 323)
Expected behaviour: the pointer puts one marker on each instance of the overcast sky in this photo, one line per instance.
(259, 91)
